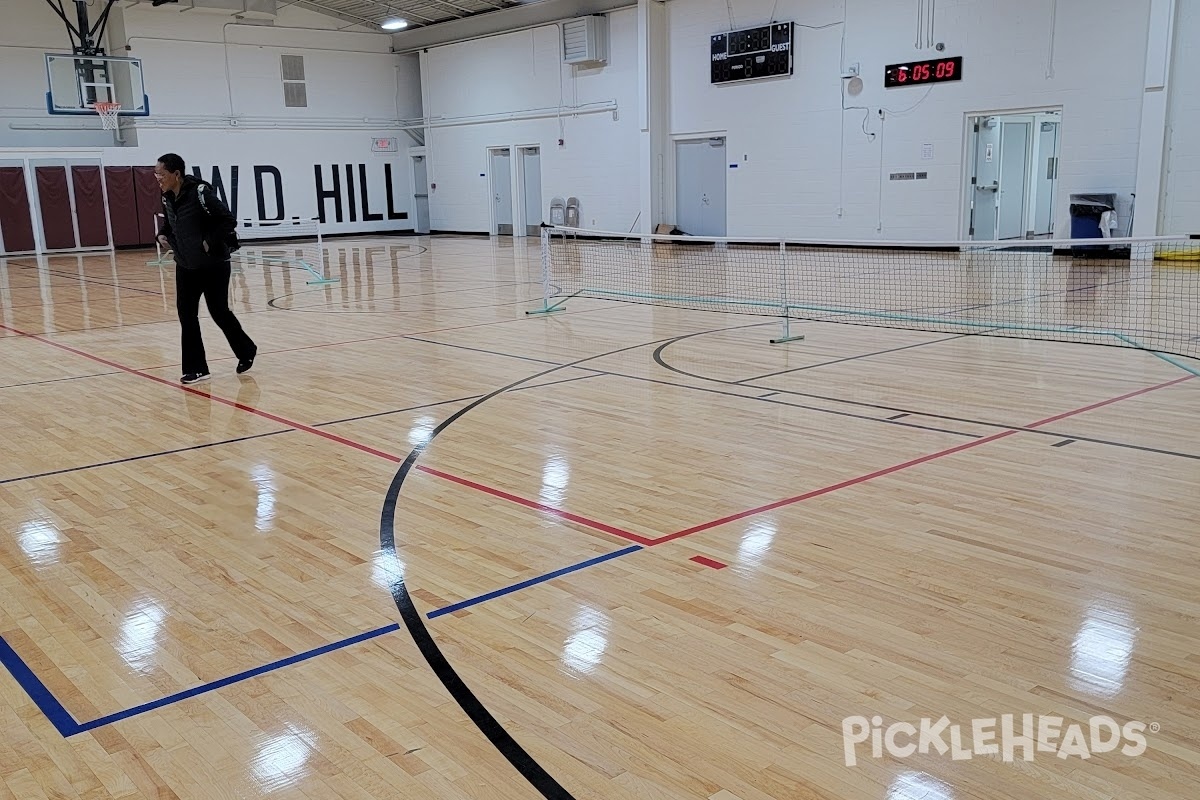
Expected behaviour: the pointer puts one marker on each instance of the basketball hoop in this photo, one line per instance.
(108, 114)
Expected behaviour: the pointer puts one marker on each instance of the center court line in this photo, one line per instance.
(599, 526)
(473, 601)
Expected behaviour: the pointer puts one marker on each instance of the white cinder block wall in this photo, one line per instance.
(216, 98)
(806, 157)
(468, 85)
(812, 161)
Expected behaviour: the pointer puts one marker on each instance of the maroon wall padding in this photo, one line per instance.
(89, 206)
(149, 202)
(16, 224)
(55, 202)
(122, 206)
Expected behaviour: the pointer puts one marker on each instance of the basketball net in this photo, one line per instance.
(108, 114)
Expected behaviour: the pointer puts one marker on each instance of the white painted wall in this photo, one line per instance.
(808, 167)
(30, 30)
(806, 157)
(466, 84)
(1181, 195)
(216, 98)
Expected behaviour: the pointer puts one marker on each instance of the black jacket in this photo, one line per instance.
(197, 231)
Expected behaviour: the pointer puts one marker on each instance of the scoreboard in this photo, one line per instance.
(763, 52)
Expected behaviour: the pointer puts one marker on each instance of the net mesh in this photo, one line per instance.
(108, 113)
(1141, 293)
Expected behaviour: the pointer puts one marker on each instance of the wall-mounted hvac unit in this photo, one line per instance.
(585, 40)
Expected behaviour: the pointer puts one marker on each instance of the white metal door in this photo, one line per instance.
(1014, 161)
(501, 188)
(1046, 178)
(987, 179)
(420, 195)
(700, 186)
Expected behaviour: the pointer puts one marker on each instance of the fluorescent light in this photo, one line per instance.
(394, 24)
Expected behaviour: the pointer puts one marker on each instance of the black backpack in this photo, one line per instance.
(231, 239)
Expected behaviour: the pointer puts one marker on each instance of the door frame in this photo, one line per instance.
(494, 224)
(518, 179)
(671, 202)
(967, 161)
(670, 210)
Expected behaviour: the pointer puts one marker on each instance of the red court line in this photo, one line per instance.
(708, 562)
(512, 498)
(912, 463)
(599, 526)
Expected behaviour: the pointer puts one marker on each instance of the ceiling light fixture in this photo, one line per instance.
(394, 24)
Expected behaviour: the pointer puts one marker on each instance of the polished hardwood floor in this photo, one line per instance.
(433, 547)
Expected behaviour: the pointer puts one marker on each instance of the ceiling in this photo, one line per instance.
(416, 12)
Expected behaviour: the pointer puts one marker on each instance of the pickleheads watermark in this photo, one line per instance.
(1007, 736)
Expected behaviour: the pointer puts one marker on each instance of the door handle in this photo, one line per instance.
(994, 187)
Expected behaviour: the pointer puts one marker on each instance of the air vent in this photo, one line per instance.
(295, 93)
(293, 67)
(585, 40)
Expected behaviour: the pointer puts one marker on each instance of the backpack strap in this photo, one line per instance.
(203, 202)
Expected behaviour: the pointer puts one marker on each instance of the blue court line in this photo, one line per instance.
(1163, 356)
(37, 691)
(483, 598)
(67, 726)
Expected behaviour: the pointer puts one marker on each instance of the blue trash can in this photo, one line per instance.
(1085, 219)
(1086, 212)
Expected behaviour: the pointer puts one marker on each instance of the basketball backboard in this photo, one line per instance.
(77, 82)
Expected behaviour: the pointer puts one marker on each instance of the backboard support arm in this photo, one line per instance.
(85, 38)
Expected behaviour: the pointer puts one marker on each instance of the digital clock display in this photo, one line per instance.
(937, 70)
(763, 52)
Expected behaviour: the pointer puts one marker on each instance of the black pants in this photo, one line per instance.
(213, 284)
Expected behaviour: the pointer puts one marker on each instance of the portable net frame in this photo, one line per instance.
(108, 113)
(1140, 293)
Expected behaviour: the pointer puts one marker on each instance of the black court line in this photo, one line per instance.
(446, 402)
(894, 420)
(75, 278)
(500, 738)
(58, 380)
(853, 358)
(415, 338)
(82, 302)
(911, 412)
(163, 321)
(144, 456)
(190, 448)
(765, 398)
(262, 353)
(1062, 443)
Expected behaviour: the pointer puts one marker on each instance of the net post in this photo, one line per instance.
(783, 299)
(161, 259)
(545, 248)
(322, 273)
